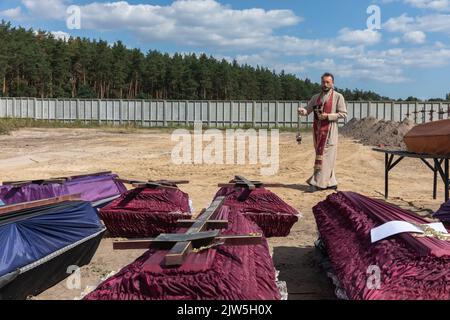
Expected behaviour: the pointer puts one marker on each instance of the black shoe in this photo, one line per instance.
(333, 187)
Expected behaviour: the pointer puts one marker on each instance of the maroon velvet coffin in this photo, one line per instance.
(220, 273)
(274, 216)
(410, 267)
(146, 212)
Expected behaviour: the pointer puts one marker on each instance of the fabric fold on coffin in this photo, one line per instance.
(92, 188)
(96, 187)
(39, 244)
(443, 213)
(383, 212)
(274, 216)
(410, 268)
(220, 273)
(32, 192)
(146, 212)
(31, 234)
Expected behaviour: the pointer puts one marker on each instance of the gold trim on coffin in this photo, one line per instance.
(213, 245)
(431, 233)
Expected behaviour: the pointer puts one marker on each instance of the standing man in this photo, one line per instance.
(328, 107)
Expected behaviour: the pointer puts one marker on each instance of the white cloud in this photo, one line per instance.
(424, 57)
(207, 23)
(433, 23)
(191, 22)
(386, 66)
(439, 5)
(361, 70)
(402, 23)
(363, 37)
(371, 66)
(416, 37)
(249, 36)
(439, 23)
(270, 60)
(13, 13)
(60, 35)
(46, 9)
(294, 46)
(261, 59)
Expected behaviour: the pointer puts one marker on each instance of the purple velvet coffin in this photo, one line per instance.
(97, 188)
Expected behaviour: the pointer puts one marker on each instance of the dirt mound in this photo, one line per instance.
(371, 131)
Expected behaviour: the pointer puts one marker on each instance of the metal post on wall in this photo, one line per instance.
(276, 114)
(186, 112)
(99, 112)
(142, 113)
(208, 105)
(254, 113)
(120, 112)
(392, 111)
(14, 108)
(77, 110)
(231, 113)
(424, 117)
(35, 108)
(415, 111)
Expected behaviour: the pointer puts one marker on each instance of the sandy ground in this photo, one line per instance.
(38, 153)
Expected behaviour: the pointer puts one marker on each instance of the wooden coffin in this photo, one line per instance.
(430, 138)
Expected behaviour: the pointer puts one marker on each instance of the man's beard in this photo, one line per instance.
(326, 89)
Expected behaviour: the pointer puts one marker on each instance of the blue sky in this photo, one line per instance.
(406, 54)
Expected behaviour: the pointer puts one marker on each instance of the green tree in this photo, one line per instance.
(36, 64)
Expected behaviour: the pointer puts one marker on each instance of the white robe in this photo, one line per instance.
(326, 177)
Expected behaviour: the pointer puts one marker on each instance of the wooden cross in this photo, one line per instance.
(181, 244)
(18, 184)
(58, 180)
(38, 203)
(170, 184)
(101, 173)
(240, 181)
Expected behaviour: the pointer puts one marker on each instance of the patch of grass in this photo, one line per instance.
(7, 125)
(4, 129)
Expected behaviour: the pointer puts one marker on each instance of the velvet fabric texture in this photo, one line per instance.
(145, 212)
(321, 129)
(274, 216)
(410, 267)
(219, 273)
(92, 188)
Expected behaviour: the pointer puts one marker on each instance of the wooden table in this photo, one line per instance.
(439, 165)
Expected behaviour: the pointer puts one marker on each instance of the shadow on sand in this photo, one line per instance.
(305, 278)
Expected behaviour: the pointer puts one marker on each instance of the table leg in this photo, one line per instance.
(386, 176)
(446, 182)
(435, 171)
